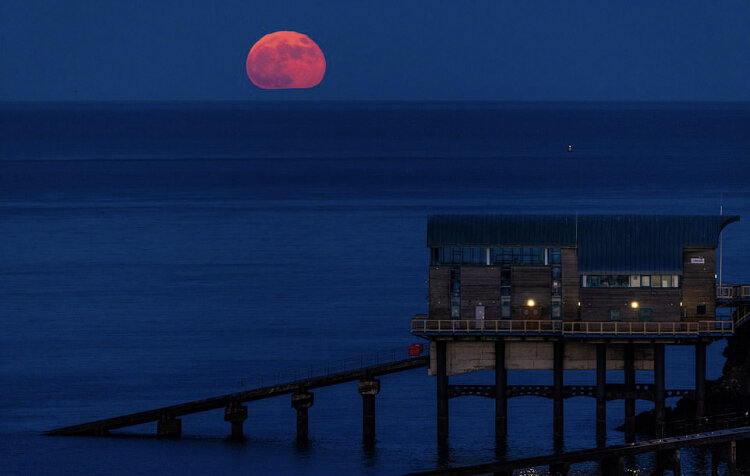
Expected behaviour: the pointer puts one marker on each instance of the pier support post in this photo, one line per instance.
(676, 463)
(613, 466)
(236, 414)
(368, 389)
(601, 394)
(501, 386)
(169, 427)
(629, 392)
(557, 369)
(659, 393)
(715, 460)
(442, 391)
(732, 459)
(559, 469)
(700, 379)
(302, 401)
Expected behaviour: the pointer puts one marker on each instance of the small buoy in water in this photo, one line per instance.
(570, 148)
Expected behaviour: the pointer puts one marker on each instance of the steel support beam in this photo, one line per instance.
(442, 391)
(659, 393)
(501, 387)
(302, 401)
(368, 389)
(601, 394)
(169, 427)
(557, 376)
(700, 379)
(629, 393)
(236, 414)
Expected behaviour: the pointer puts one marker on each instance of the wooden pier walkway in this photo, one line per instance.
(611, 457)
(236, 413)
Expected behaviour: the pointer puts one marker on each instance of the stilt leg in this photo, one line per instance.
(442, 392)
(501, 400)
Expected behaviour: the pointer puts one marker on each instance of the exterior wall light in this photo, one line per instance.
(634, 305)
(530, 303)
(579, 303)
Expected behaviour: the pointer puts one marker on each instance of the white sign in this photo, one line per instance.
(699, 260)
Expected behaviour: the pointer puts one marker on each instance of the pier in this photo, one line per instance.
(722, 443)
(169, 422)
(555, 293)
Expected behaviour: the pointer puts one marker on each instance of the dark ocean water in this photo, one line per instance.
(154, 254)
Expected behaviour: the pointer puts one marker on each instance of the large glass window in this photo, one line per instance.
(517, 256)
(459, 255)
(554, 255)
(455, 291)
(510, 255)
(556, 311)
(630, 281)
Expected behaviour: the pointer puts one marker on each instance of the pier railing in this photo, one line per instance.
(557, 327)
(733, 291)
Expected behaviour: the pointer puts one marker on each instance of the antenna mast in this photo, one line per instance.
(721, 254)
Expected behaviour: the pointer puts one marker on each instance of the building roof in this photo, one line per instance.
(606, 243)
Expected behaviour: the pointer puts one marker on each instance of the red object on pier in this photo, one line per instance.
(415, 349)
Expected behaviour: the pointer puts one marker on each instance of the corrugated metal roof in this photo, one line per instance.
(606, 243)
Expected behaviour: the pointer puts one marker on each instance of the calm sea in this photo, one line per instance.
(158, 253)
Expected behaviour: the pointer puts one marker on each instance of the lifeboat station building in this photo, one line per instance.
(565, 292)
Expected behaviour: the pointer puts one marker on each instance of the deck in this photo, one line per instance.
(735, 296)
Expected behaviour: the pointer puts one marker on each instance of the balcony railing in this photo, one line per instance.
(562, 328)
(733, 291)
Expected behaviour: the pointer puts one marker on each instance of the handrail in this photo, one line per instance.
(559, 327)
(733, 291)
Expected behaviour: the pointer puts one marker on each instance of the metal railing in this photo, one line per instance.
(558, 327)
(708, 423)
(301, 371)
(733, 291)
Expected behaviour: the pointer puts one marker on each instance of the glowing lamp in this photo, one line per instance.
(634, 305)
(530, 303)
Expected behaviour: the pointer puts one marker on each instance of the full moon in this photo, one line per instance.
(285, 60)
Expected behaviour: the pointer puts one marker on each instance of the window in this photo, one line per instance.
(459, 255)
(701, 310)
(518, 256)
(630, 281)
(556, 288)
(505, 309)
(645, 314)
(615, 314)
(554, 256)
(455, 292)
(556, 310)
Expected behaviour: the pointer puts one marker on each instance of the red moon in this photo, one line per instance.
(285, 60)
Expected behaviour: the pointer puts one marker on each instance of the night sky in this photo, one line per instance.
(380, 50)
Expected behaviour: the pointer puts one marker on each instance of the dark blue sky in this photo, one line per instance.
(380, 50)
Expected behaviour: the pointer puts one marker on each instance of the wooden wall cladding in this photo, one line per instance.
(596, 303)
(571, 283)
(699, 282)
(480, 286)
(440, 300)
(530, 282)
